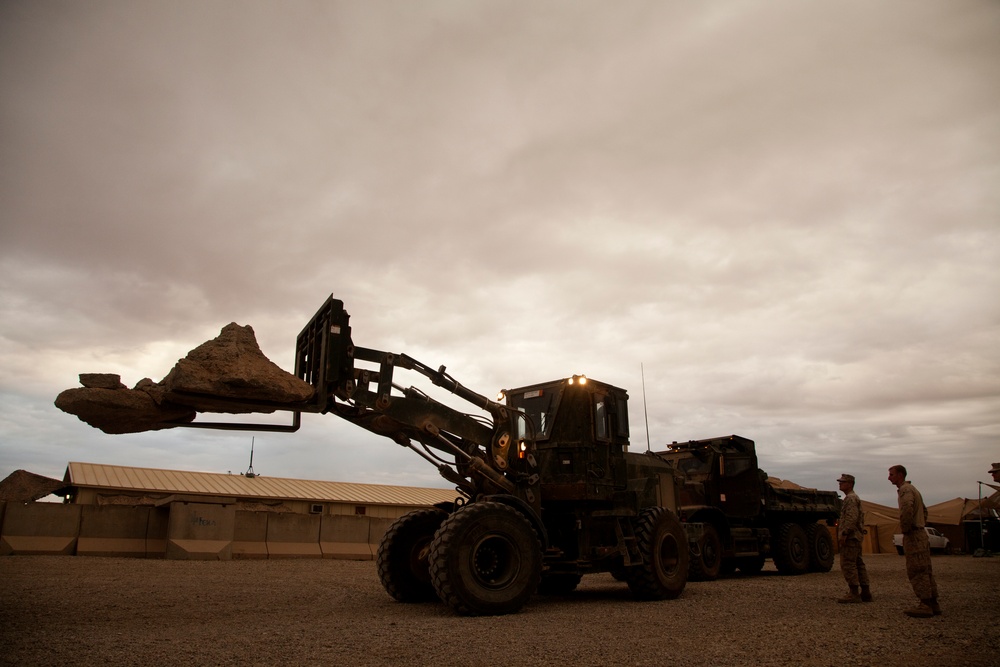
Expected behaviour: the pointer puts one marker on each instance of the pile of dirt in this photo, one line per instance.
(227, 374)
(24, 487)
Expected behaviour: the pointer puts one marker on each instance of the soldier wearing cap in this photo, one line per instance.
(916, 547)
(995, 471)
(850, 531)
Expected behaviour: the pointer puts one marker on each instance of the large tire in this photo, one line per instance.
(486, 559)
(559, 583)
(402, 556)
(663, 544)
(821, 554)
(790, 550)
(706, 565)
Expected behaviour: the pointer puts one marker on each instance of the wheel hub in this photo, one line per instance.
(495, 562)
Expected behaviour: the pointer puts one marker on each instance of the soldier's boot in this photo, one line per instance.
(866, 594)
(851, 597)
(922, 610)
(935, 607)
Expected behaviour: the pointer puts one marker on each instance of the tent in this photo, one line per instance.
(881, 523)
(951, 517)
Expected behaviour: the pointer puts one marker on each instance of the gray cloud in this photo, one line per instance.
(785, 214)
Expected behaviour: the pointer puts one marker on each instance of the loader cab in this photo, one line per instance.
(580, 429)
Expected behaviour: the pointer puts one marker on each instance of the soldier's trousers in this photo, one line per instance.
(917, 549)
(851, 564)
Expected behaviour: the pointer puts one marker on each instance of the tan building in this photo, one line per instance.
(98, 484)
(147, 512)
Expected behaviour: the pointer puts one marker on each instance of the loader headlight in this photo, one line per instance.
(501, 396)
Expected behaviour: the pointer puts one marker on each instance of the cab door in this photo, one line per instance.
(739, 485)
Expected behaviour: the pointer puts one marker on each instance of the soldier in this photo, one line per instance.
(912, 519)
(995, 471)
(850, 531)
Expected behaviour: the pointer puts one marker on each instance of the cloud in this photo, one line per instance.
(783, 215)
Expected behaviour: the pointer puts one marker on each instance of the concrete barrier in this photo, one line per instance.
(377, 530)
(184, 530)
(40, 529)
(113, 530)
(293, 536)
(346, 537)
(199, 531)
(250, 535)
(156, 532)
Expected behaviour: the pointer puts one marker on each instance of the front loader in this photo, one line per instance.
(547, 490)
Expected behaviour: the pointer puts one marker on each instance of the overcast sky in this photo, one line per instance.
(784, 215)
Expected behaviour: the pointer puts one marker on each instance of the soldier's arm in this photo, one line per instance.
(906, 513)
(848, 520)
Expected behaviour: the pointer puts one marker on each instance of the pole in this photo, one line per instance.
(645, 413)
(982, 540)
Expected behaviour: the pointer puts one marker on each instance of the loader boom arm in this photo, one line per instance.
(481, 455)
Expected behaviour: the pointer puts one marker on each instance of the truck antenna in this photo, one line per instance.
(645, 414)
(250, 473)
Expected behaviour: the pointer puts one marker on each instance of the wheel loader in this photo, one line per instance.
(546, 489)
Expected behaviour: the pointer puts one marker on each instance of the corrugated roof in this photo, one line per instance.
(124, 478)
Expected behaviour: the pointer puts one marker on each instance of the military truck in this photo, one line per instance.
(745, 519)
(546, 490)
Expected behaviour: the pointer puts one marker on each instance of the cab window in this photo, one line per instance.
(536, 408)
(600, 418)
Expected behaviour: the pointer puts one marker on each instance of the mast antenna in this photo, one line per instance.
(250, 473)
(645, 414)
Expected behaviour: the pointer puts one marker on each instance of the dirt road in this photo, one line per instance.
(116, 611)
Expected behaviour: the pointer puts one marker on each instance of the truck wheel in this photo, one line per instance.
(706, 565)
(663, 545)
(486, 559)
(791, 551)
(820, 548)
(559, 584)
(750, 565)
(402, 555)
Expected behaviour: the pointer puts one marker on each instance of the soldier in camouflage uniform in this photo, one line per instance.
(916, 547)
(850, 532)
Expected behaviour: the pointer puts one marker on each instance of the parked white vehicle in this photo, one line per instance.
(938, 541)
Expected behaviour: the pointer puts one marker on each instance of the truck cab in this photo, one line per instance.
(719, 473)
(746, 519)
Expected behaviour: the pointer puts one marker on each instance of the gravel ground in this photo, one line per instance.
(117, 611)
